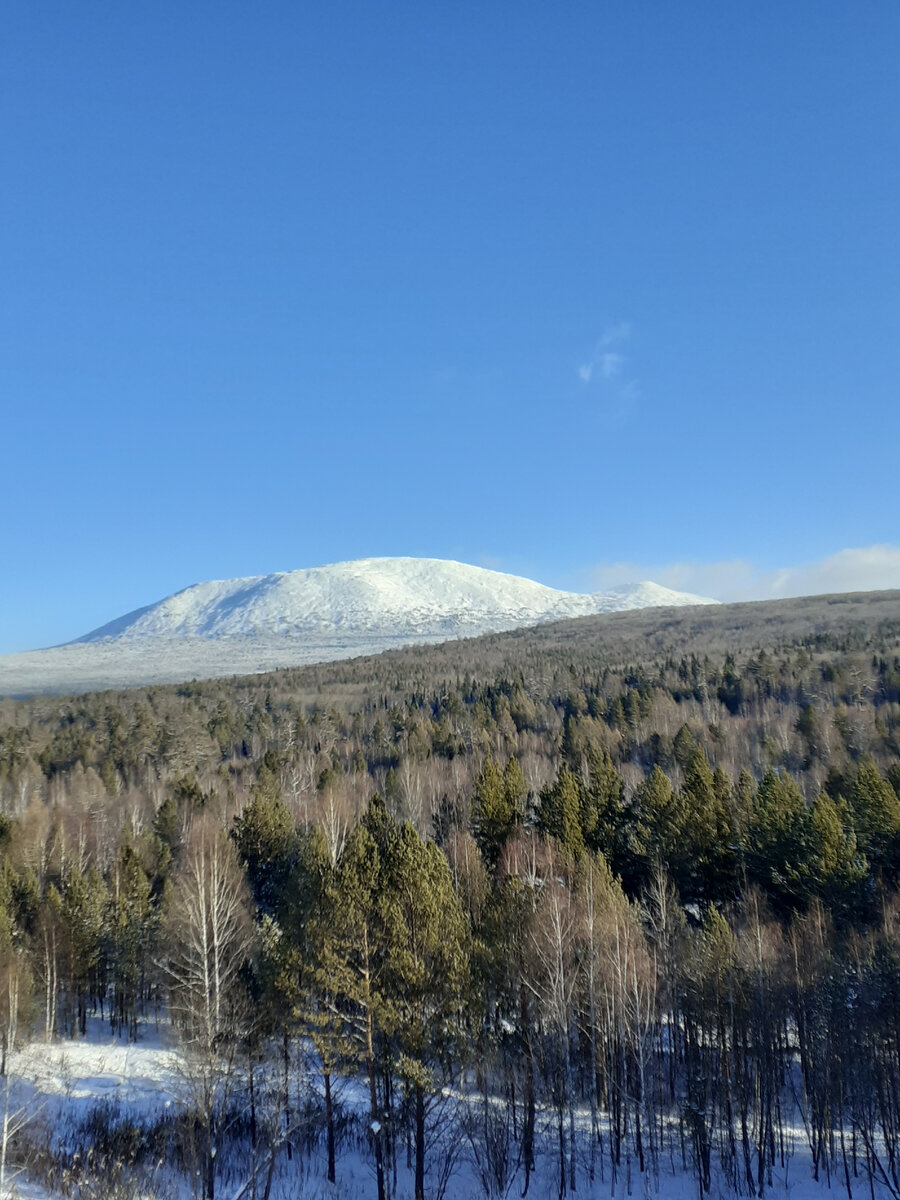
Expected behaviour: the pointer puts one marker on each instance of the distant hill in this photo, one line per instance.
(242, 626)
(549, 654)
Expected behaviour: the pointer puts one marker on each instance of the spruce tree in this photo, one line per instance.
(129, 930)
(707, 852)
(657, 821)
(266, 843)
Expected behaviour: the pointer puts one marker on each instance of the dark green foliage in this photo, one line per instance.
(266, 842)
(498, 807)
(840, 868)
(782, 845)
(709, 836)
(560, 815)
(876, 814)
(658, 820)
(603, 807)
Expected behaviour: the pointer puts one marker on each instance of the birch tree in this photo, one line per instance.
(210, 935)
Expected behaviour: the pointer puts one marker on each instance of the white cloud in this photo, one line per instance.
(608, 367)
(868, 568)
(615, 333)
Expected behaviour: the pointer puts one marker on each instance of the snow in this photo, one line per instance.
(64, 1082)
(381, 597)
(241, 626)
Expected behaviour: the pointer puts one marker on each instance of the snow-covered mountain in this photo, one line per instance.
(238, 626)
(387, 597)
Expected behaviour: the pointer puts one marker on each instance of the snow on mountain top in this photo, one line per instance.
(390, 597)
(242, 626)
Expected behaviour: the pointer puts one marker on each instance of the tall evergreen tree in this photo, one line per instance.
(876, 816)
(656, 833)
(782, 843)
(426, 968)
(350, 964)
(266, 843)
(498, 807)
(560, 815)
(840, 869)
(130, 929)
(603, 808)
(708, 851)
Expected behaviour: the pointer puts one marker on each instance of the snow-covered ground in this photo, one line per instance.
(242, 626)
(64, 1079)
(65, 1086)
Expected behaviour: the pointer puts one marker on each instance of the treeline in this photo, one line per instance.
(407, 726)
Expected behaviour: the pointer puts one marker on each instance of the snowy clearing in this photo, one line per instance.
(107, 1083)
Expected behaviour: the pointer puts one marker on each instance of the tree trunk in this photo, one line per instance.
(528, 1120)
(286, 1096)
(329, 1125)
(210, 1166)
(375, 1124)
(420, 1143)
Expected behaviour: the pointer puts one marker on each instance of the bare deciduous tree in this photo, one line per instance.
(210, 935)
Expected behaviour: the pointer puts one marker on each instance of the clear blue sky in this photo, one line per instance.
(546, 287)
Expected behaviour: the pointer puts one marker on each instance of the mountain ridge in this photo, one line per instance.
(316, 614)
(383, 596)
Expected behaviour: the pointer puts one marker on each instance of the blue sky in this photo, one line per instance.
(576, 291)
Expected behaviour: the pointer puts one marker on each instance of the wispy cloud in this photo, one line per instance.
(862, 569)
(611, 364)
(607, 365)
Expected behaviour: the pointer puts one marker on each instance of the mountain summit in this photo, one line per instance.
(237, 626)
(390, 598)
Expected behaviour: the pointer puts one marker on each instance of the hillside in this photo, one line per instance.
(713, 793)
(241, 626)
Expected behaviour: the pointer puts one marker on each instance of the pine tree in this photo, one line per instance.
(84, 909)
(603, 812)
(167, 828)
(839, 868)
(426, 967)
(129, 933)
(656, 834)
(347, 932)
(708, 839)
(876, 816)
(498, 808)
(782, 842)
(560, 814)
(292, 993)
(265, 840)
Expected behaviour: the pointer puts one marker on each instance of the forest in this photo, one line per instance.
(601, 903)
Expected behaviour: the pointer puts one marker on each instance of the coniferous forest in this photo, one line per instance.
(601, 903)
